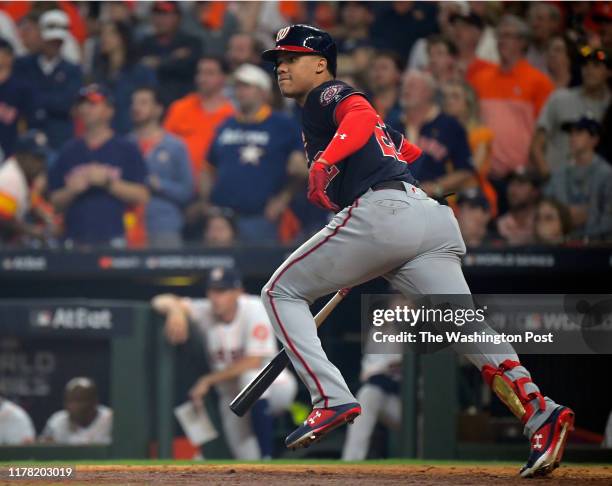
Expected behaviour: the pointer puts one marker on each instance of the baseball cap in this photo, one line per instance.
(33, 142)
(470, 18)
(591, 54)
(254, 76)
(523, 174)
(473, 197)
(54, 25)
(222, 278)
(602, 12)
(166, 7)
(583, 123)
(95, 93)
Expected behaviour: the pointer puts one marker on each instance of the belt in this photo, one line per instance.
(397, 185)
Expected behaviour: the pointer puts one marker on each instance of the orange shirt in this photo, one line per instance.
(188, 120)
(478, 136)
(475, 67)
(510, 102)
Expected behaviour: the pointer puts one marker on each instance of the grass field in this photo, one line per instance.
(307, 472)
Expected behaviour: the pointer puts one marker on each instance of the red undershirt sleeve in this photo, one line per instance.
(356, 120)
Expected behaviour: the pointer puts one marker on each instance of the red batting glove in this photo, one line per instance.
(319, 177)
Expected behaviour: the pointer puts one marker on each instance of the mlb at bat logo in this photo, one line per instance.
(328, 94)
(282, 33)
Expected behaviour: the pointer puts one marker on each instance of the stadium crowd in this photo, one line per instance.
(157, 124)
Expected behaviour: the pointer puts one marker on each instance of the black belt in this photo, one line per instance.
(397, 185)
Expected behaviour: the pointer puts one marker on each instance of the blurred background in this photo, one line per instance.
(143, 144)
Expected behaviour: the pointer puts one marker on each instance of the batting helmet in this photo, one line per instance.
(304, 39)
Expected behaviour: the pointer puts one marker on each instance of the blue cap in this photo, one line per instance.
(474, 197)
(583, 123)
(95, 93)
(222, 278)
(32, 142)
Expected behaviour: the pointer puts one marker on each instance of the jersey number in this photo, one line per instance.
(385, 143)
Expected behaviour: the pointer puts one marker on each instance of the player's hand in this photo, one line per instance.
(177, 327)
(319, 177)
(199, 391)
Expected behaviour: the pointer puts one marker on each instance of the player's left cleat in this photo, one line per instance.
(320, 422)
(548, 443)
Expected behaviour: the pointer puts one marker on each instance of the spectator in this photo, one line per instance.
(553, 222)
(10, 33)
(220, 230)
(83, 421)
(18, 175)
(398, 25)
(442, 55)
(213, 24)
(511, 96)
(195, 117)
(55, 81)
(544, 22)
(15, 101)
(468, 32)
(97, 176)
(242, 48)
(516, 226)
(169, 181)
(419, 58)
(353, 37)
(562, 62)
(16, 427)
(460, 102)
(259, 152)
(29, 33)
(116, 68)
(474, 216)
(585, 185)
(170, 52)
(550, 146)
(446, 163)
(384, 83)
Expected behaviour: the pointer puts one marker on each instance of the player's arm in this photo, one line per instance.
(409, 151)
(176, 310)
(356, 120)
(237, 368)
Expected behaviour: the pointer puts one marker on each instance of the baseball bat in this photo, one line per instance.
(258, 385)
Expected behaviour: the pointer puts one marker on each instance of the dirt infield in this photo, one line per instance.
(315, 475)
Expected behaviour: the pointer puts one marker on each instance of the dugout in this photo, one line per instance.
(130, 278)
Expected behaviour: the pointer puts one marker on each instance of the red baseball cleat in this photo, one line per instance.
(548, 443)
(320, 422)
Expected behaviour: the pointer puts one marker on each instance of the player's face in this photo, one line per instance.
(81, 405)
(296, 74)
(224, 302)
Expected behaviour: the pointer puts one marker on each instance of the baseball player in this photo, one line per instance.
(379, 396)
(384, 226)
(239, 342)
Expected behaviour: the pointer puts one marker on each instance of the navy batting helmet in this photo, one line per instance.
(304, 39)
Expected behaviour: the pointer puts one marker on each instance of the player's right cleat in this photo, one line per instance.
(320, 422)
(548, 443)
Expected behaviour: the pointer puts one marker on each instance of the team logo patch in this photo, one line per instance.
(281, 34)
(261, 332)
(329, 94)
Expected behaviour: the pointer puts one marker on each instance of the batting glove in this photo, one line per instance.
(319, 177)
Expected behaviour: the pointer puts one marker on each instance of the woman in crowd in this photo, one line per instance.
(115, 67)
(553, 223)
(562, 62)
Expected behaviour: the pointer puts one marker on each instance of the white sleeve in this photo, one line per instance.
(259, 338)
(50, 432)
(198, 311)
(19, 429)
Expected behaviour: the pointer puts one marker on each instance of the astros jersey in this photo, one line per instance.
(249, 334)
(377, 161)
(252, 156)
